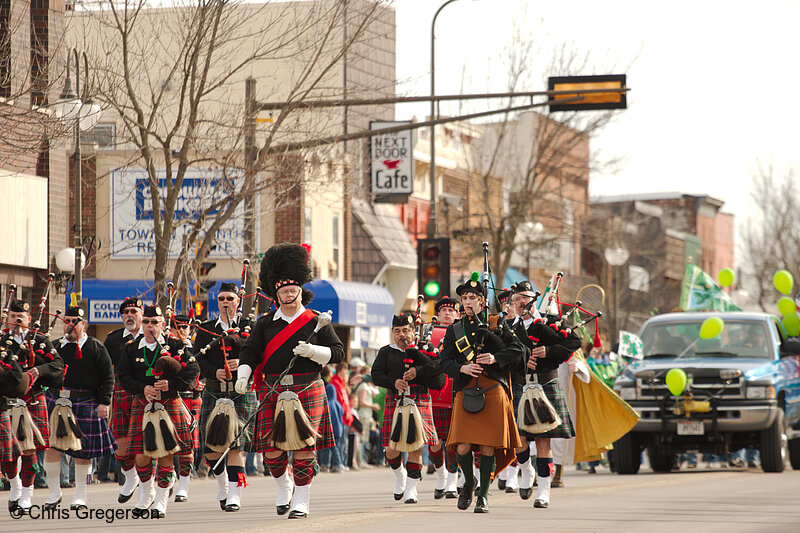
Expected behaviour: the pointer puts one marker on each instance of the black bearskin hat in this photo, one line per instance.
(285, 264)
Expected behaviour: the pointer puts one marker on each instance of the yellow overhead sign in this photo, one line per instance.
(580, 93)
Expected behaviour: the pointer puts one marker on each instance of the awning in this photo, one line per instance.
(105, 295)
(353, 303)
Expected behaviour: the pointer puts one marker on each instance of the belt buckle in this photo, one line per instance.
(63, 393)
(463, 341)
(287, 380)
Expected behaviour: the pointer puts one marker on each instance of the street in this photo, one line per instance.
(728, 500)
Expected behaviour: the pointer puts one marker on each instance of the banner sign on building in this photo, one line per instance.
(107, 311)
(392, 161)
(132, 234)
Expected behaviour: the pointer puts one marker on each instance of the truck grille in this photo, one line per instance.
(702, 384)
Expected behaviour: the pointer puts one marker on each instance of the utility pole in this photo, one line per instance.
(249, 183)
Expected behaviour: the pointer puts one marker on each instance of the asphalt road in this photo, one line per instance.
(723, 500)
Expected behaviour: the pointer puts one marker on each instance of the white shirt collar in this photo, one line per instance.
(224, 324)
(126, 333)
(19, 338)
(143, 343)
(396, 347)
(81, 341)
(289, 319)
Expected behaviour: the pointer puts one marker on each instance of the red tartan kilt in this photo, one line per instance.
(441, 421)
(423, 402)
(193, 405)
(9, 447)
(315, 403)
(37, 407)
(121, 408)
(180, 418)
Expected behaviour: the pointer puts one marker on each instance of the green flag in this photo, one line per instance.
(699, 292)
(630, 345)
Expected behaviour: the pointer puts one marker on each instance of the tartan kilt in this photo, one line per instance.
(245, 404)
(97, 440)
(37, 407)
(556, 396)
(9, 447)
(423, 402)
(441, 421)
(315, 402)
(121, 408)
(193, 405)
(180, 418)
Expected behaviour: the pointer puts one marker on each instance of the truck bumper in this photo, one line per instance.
(730, 418)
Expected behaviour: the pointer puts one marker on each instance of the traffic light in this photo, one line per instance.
(433, 268)
(200, 308)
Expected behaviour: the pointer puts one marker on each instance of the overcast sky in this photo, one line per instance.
(714, 84)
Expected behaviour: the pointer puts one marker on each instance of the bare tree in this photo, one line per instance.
(770, 236)
(172, 78)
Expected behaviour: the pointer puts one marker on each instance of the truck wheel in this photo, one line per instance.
(627, 455)
(794, 453)
(773, 446)
(660, 462)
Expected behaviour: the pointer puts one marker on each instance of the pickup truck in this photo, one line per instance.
(743, 391)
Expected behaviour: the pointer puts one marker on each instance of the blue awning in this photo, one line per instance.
(104, 296)
(353, 303)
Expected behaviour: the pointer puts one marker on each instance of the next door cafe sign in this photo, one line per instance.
(391, 160)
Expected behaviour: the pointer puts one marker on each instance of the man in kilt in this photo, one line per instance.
(13, 384)
(137, 377)
(37, 357)
(88, 384)
(549, 346)
(131, 310)
(181, 330)
(403, 370)
(507, 479)
(288, 340)
(476, 357)
(217, 346)
(447, 310)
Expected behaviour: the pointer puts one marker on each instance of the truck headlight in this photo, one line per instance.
(627, 393)
(756, 393)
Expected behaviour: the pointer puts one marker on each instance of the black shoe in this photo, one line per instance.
(450, 495)
(592, 470)
(297, 514)
(465, 498)
(458, 490)
(75, 507)
(12, 506)
(540, 504)
(50, 506)
(511, 490)
(525, 493)
(42, 485)
(477, 490)
(136, 512)
(121, 498)
(501, 484)
(282, 509)
(157, 513)
(398, 497)
(222, 504)
(438, 494)
(180, 498)
(232, 508)
(481, 505)
(431, 468)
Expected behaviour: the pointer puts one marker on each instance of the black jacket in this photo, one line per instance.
(47, 360)
(507, 350)
(133, 368)
(213, 359)
(93, 371)
(559, 344)
(115, 345)
(389, 367)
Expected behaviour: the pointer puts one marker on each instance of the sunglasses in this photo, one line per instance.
(75, 321)
(226, 298)
(153, 321)
(184, 326)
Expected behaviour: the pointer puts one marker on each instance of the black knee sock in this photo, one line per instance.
(524, 455)
(487, 468)
(465, 462)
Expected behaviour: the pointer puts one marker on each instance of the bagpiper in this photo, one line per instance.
(406, 373)
(79, 409)
(549, 346)
(13, 384)
(154, 370)
(116, 342)
(38, 358)
(479, 361)
(181, 330)
(217, 347)
(284, 355)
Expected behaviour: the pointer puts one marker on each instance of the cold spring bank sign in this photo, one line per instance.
(132, 234)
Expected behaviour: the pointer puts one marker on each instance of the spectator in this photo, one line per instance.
(330, 458)
(365, 393)
(339, 381)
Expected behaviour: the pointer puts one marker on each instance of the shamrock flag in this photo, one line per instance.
(699, 292)
(630, 345)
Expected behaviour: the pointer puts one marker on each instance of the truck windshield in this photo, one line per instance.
(739, 338)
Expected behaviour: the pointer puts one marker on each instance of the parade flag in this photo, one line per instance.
(699, 292)
(630, 345)
(541, 303)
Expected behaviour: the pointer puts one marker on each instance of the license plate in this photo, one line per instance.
(690, 427)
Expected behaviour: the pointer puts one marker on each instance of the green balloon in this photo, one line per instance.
(676, 381)
(791, 323)
(711, 327)
(783, 281)
(726, 277)
(786, 306)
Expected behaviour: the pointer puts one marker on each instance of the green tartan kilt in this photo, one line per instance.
(566, 430)
(245, 404)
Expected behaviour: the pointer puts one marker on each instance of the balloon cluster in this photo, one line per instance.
(784, 282)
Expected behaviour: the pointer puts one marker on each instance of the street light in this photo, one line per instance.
(77, 106)
(431, 229)
(616, 257)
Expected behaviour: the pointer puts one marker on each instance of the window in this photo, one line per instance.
(307, 226)
(335, 241)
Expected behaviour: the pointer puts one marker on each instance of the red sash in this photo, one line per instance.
(442, 398)
(282, 336)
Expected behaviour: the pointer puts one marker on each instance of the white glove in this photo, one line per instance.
(243, 378)
(318, 354)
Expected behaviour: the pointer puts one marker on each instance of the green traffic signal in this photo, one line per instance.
(432, 289)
